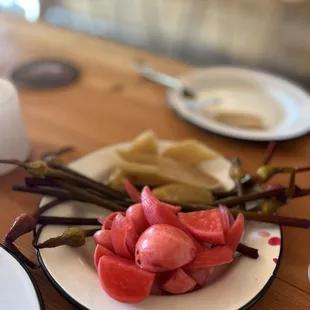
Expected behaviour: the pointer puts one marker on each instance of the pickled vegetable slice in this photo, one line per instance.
(177, 282)
(132, 192)
(123, 280)
(135, 213)
(119, 236)
(235, 232)
(182, 193)
(207, 258)
(204, 225)
(189, 151)
(99, 252)
(103, 238)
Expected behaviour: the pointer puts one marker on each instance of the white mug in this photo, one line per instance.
(13, 138)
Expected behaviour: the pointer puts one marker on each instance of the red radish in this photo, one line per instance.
(200, 275)
(204, 225)
(217, 256)
(225, 219)
(132, 191)
(131, 238)
(177, 282)
(163, 247)
(174, 209)
(123, 280)
(103, 237)
(109, 220)
(136, 214)
(100, 251)
(119, 236)
(101, 219)
(157, 213)
(235, 233)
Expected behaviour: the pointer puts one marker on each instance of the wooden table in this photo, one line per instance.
(111, 104)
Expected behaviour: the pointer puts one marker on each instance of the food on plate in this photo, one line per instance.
(123, 280)
(240, 120)
(204, 225)
(146, 142)
(191, 152)
(144, 163)
(204, 237)
(163, 247)
(154, 240)
(182, 193)
(177, 282)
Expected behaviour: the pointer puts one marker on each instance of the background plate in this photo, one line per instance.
(279, 102)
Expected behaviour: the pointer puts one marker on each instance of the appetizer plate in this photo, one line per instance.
(283, 107)
(236, 286)
(18, 290)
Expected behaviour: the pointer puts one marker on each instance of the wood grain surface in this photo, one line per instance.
(111, 104)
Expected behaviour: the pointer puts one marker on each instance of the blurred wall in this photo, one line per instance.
(269, 34)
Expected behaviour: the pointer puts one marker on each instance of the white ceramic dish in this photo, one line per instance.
(17, 287)
(283, 106)
(237, 286)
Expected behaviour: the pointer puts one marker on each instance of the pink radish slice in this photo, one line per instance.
(177, 282)
(132, 191)
(109, 220)
(174, 209)
(131, 238)
(157, 213)
(119, 236)
(103, 238)
(225, 219)
(235, 233)
(123, 281)
(135, 213)
(217, 256)
(99, 252)
(101, 219)
(200, 275)
(163, 247)
(204, 225)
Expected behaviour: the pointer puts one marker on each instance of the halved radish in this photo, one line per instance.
(235, 233)
(136, 214)
(100, 251)
(107, 224)
(119, 236)
(174, 209)
(157, 213)
(132, 191)
(225, 219)
(217, 256)
(177, 282)
(101, 219)
(131, 237)
(204, 225)
(123, 280)
(103, 237)
(163, 247)
(200, 275)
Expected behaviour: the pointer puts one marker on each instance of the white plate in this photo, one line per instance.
(73, 273)
(283, 106)
(17, 287)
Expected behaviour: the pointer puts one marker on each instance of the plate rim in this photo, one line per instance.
(30, 276)
(171, 96)
(79, 306)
